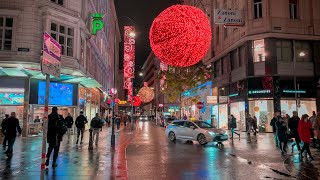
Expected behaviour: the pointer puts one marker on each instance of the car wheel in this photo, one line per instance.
(202, 139)
(172, 136)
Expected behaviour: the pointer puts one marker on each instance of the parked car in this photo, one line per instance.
(144, 117)
(200, 131)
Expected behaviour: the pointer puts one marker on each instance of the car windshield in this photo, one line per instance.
(202, 124)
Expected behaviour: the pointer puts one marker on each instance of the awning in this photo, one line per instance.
(33, 71)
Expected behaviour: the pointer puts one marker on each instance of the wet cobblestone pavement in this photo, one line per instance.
(152, 156)
(74, 161)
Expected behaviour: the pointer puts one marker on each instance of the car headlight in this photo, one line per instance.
(211, 133)
(141, 118)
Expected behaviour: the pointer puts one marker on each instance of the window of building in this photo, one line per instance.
(216, 71)
(221, 64)
(242, 55)
(259, 51)
(225, 32)
(303, 51)
(217, 35)
(257, 6)
(65, 36)
(284, 50)
(234, 59)
(60, 2)
(293, 4)
(6, 33)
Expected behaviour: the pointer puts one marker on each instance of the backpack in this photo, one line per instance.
(96, 123)
(61, 127)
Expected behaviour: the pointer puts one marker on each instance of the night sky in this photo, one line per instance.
(142, 12)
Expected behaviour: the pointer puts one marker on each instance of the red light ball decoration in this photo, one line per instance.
(146, 94)
(180, 35)
(136, 101)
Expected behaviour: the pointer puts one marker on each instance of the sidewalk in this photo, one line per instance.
(74, 161)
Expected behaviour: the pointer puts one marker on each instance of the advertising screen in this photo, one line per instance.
(11, 96)
(59, 93)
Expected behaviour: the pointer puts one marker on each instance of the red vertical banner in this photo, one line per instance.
(128, 61)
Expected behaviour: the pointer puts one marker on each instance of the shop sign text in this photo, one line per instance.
(259, 91)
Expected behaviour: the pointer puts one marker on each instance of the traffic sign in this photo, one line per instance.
(199, 105)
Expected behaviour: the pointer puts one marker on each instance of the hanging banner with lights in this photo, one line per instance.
(128, 61)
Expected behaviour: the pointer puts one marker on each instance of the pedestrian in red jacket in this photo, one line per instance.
(304, 133)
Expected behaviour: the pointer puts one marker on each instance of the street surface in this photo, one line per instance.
(144, 153)
(74, 161)
(152, 156)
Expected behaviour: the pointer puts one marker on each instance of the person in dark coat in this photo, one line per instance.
(10, 130)
(3, 124)
(255, 125)
(274, 129)
(80, 124)
(69, 123)
(281, 133)
(293, 126)
(233, 126)
(305, 135)
(53, 138)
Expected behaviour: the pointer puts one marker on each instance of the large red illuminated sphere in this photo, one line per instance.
(146, 94)
(180, 35)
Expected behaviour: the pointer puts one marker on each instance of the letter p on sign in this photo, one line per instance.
(97, 23)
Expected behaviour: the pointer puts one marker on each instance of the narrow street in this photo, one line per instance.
(74, 161)
(152, 156)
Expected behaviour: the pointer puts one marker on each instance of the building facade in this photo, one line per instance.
(269, 64)
(88, 62)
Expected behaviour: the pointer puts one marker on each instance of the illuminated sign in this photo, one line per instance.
(128, 61)
(122, 102)
(97, 23)
(223, 99)
(259, 91)
(11, 96)
(233, 95)
(212, 99)
(294, 91)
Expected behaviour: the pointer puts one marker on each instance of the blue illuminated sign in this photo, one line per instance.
(259, 91)
(294, 91)
(59, 93)
(233, 95)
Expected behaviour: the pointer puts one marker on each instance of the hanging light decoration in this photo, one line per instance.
(136, 101)
(180, 35)
(146, 94)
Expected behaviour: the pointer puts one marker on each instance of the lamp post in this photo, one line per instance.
(132, 110)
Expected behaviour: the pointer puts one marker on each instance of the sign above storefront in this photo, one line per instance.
(233, 95)
(212, 99)
(259, 91)
(294, 91)
(223, 99)
(228, 17)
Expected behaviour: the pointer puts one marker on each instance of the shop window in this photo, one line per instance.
(303, 51)
(305, 107)
(284, 50)
(65, 36)
(216, 71)
(263, 111)
(257, 6)
(6, 33)
(60, 2)
(259, 51)
(293, 8)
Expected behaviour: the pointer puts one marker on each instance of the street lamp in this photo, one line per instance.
(132, 34)
(141, 74)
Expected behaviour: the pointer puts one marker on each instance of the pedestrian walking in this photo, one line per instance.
(96, 125)
(274, 129)
(10, 130)
(250, 121)
(69, 123)
(316, 126)
(108, 121)
(125, 120)
(118, 121)
(293, 125)
(304, 133)
(3, 124)
(255, 125)
(312, 120)
(281, 133)
(80, 124)
(56, 129)
(233, 126)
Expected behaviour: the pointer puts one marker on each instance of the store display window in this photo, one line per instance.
(263, 110)
(237, 109)
(306, 107)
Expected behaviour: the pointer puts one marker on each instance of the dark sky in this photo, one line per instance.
(142, 12)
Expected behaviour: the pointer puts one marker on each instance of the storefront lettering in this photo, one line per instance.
(97, 23)
(294, 91)
(259, 91)
(233, 95)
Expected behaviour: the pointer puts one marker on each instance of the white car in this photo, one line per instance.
(144, 117)
(197, 131)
